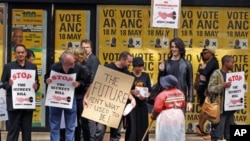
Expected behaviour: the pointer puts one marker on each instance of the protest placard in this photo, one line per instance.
(60, 92)
(23, 93)
(234, 96)
(3, 106)
(108, 96)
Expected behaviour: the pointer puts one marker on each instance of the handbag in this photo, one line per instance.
(211, 110)
(196, 81)
(155, 90)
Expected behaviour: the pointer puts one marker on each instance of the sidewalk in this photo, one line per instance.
(44, 136)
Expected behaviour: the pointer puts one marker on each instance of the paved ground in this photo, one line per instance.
(44, 136)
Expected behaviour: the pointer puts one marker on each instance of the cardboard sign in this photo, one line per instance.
(108, 96)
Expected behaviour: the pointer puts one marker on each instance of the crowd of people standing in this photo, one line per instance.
(175, 76)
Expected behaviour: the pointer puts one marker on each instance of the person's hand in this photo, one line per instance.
(85, 102)
(161, 67)
(226, 84)
(135, 92)
(245, 86)
(48, 80)
(11, 82)
(189, 106)
(132, 99)
(76, 84)
(35, 86)
(153, 117)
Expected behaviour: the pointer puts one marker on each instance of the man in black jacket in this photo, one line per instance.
(66, 65)
(18, 118)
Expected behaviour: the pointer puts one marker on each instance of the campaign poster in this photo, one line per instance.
(108, 96)
(196, 25)
(23, 93)
(234, 96)
(60, 92)
(71, 27)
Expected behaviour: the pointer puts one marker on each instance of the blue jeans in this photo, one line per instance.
(55, 119)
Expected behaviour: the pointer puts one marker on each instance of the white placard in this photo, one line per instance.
(143, 91)
(165, 13)
(23, 93)
(3, 106)
(234, 96)
(60, 92)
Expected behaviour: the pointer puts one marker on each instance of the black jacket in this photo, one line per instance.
(6, 75)
(185, 77)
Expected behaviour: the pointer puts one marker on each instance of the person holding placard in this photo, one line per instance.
(122, 65)
(66, 65)
(20, 118)
(137, 119)
(91, 129)
(216, 88)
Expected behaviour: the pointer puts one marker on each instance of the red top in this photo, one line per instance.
(169, 98)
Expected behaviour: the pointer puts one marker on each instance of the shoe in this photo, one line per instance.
(199, 131)
(207, 137)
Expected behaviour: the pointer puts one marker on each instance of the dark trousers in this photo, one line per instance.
(19, 119)
(79, 128)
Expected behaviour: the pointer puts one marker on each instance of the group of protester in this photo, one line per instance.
(175, 76)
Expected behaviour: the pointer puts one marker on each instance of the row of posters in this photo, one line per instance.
(128, 28)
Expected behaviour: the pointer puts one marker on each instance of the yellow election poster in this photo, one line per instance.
(236, 28)
(108, 96)
(27, 29)
(196, 25)
(128, 27)
(216, 27)
(72, 26)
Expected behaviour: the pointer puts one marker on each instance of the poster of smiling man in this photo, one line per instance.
(60, 92)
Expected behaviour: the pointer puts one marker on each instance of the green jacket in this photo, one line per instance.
(215, 88)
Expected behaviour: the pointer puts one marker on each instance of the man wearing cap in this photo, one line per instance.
(211, 64)
(170, 123)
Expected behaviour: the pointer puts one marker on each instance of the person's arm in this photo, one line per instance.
(93, 66)
(162, 70)
(215, 85)
(158, 105)
(36, 85)
(190, 96)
